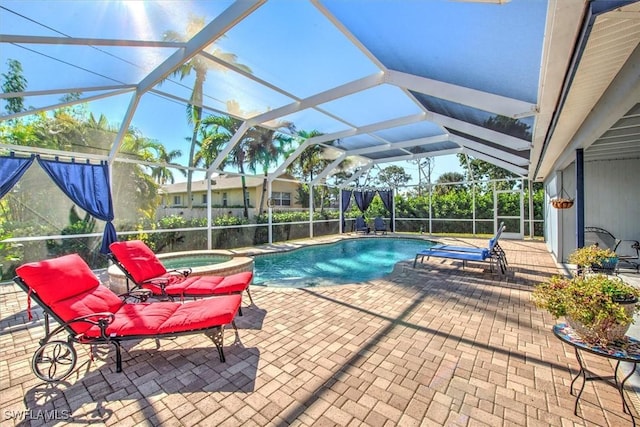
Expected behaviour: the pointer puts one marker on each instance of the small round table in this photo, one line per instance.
(625, 352)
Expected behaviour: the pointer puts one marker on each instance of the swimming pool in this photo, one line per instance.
(193, 260)
(347, 261)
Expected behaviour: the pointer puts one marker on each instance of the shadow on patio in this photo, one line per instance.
(436, 345)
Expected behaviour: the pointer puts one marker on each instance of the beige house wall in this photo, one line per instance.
(233, 196)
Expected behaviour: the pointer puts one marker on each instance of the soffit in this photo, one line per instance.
(613, 38)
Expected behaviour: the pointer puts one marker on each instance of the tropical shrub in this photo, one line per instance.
(597, 303)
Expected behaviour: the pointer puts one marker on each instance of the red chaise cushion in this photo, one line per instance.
(211, 285)
(138, 259)
(69, 288)
(144, 266)
(165, 317)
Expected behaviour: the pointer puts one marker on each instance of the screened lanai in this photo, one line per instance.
(240, 125)
(150, 87)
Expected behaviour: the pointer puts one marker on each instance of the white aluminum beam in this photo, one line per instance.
(471, 97)
(68, 90)
(480, 132)
(564, 20)
(64, 104)
(417, 156)
(212, 31)
(320, 98)
(414, 118)
(490, 151)
(310, 102)
(331, 166)
(401, 121)
(230, 145)
(81, 41)
(505, 165)
(358, 174)
(124, 126)
(400, 145)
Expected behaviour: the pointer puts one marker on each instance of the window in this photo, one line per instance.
(204, 199)
(224, 200)
(177, 200)
(281, 198)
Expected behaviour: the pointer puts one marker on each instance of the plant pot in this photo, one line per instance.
(605, 333)
(562, 203)
(608, 266)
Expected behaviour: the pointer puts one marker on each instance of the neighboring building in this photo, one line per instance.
(226, 195)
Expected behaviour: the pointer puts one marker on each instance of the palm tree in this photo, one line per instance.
(219, 130)
(445, 181)
(264, 148)
(161, 173)
(200, 66)
(132, 179)
(310, 161)
(258, 146)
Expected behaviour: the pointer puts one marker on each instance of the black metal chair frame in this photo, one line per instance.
(632, 260)
(55, 354)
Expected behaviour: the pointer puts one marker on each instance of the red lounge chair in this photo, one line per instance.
(91, 313)
(141, 266)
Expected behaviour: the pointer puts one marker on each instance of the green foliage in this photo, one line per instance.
(393, 176)
(229, 220)
(597, 302)
(295, 216)
(14, 81)
(588, 257)
(158, 242)
(322, 196)
(594, 301)
(443, 181)
(83, 246)
(9, 253)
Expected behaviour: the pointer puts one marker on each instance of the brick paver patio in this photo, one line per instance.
(435, 345)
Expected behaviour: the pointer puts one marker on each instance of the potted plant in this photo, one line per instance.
(598, 307)
(593, 259)
(561, 203)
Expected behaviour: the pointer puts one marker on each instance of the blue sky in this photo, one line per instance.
(303, 56)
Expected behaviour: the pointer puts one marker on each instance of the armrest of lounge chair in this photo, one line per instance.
(138, 295)
(101, 319)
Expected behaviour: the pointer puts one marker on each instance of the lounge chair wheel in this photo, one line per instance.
(54, 361)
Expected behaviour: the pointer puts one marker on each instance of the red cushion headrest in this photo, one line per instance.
(138, 259)
(69, 288)
(59, 278)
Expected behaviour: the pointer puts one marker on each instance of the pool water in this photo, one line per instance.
(187, 261)
(348, 261)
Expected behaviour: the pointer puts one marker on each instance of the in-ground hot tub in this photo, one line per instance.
(202, 263)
